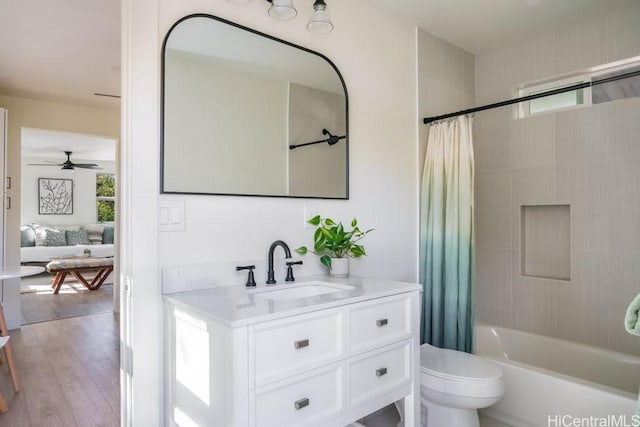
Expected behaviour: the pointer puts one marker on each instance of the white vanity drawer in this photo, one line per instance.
(293, 345)
(379, 322)
(380, 372)
(306, 400)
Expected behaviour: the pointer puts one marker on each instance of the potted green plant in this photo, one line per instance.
(335, 244)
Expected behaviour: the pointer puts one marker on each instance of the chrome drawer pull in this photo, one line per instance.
(301, 403)
(380, 372)
(301, 344)
(382, 322)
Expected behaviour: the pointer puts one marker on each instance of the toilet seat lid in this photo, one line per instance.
(452, 364)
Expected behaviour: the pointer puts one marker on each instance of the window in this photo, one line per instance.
(623, 88)
(106, 197)
(561, 101)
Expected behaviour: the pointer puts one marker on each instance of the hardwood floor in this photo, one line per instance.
(46, 307)
(68, 371)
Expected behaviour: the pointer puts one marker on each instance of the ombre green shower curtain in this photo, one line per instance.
(446, 235)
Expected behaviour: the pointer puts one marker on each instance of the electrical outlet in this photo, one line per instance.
(309, 212)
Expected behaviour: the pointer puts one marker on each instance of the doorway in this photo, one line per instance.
(67, 196)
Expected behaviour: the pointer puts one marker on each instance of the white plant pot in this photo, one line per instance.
(339, 267)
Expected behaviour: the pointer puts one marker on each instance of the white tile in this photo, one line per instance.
(623, 30)
(622, 126)
(493, 209)
(533, 142)
(534, 307)
(579, 46)
(454, 99)
(624, 273)
(530, 187)
(492, 139)
(625, 207)
(582, 311)
(430, 55)
(453, 66)
(469, 74)
(430, 97)
(493, 286)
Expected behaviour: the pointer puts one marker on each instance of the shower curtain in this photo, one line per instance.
(446, 235)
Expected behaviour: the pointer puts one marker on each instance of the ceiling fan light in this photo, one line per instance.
(282, 9)
(320, 23)
(68, 168)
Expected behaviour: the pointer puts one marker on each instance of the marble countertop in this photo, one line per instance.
(237, 306)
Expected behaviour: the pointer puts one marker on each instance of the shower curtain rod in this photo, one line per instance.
(576, 86)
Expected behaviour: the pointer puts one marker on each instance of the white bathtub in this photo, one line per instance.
(548, 377)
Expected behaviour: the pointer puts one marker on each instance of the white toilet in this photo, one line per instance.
(454, 385)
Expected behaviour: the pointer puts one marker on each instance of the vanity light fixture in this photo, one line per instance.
(284, 10)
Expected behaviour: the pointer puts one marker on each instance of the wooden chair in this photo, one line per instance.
(8, 353)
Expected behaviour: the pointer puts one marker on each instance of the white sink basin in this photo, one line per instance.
(299, 290)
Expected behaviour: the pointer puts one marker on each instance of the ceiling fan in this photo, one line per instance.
(68, 164)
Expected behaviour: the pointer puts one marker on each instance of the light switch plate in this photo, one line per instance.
(171, 215)
(310, 211)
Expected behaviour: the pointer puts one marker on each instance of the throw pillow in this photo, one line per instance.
(107, 234)
(95, 233)
(80, 237)
(55, 237)
(27, 236)
(41, 234)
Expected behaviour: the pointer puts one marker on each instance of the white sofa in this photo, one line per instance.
(40, 243)
(45, 253)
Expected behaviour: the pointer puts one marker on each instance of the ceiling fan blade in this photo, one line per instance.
(51, 161)
(86, 166)
(44, 164)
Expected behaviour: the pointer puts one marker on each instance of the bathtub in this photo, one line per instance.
(548, 379)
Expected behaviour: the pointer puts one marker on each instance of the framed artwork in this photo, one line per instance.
(55, 196)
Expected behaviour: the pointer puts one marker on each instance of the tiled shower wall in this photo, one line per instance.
(587, 158)
(445, 81)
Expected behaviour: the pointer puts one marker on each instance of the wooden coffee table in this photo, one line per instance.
(75, 267)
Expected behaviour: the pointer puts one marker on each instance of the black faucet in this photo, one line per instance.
(271, 274)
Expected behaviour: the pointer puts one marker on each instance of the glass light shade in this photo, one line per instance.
(320, 22)
(282, 10)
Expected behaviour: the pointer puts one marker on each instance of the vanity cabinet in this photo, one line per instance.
(322, 365)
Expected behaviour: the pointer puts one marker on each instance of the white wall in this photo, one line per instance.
(588, 158)
(379, 71)
(84, 192)
(376, 55)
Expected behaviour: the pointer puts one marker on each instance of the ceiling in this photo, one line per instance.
(67, 50)
(478, 26)
(61, 50)
(51, 145)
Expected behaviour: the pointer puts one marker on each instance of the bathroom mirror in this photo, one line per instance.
(239, 108)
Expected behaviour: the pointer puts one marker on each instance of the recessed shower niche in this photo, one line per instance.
(545, 241)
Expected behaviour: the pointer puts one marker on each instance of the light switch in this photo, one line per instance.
(164, 216)
(174, 215)
(309, 212)
(171, 215)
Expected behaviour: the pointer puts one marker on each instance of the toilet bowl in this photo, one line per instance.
(454, 385)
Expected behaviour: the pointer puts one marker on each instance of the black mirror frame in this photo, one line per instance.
(162, 109)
